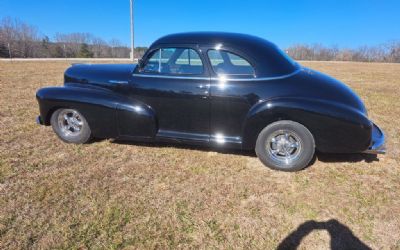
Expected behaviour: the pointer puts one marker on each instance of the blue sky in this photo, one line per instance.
(345, 23)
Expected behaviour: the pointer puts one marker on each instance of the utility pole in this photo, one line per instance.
(9, 50)
(132, 35)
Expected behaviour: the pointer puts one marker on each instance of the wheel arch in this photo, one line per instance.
(50, 112)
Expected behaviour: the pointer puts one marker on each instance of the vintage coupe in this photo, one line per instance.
(211, 88)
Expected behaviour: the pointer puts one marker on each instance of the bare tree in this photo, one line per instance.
(73, 42)
(389, 52)
(99, 47)
(393, 51)
(19, 39)
(19, 36)
(117, 49)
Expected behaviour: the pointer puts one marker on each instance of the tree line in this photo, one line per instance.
(22, 40)
(387, 52)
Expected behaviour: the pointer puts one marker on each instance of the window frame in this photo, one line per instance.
(151, 52)
(234, 52)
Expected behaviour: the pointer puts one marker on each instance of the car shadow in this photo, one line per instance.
(341, 235)
(323, 157)
(203, 148)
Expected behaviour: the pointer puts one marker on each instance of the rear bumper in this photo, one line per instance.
(378, 142)
(39, 120)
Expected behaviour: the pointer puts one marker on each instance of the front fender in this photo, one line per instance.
(109, 114)
(337, 128)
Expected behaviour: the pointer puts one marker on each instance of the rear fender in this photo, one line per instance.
(336, 127)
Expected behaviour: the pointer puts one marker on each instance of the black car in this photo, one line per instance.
(217, 89)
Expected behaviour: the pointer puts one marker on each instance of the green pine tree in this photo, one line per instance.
(84, 51)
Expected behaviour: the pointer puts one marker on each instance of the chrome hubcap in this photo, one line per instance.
(70, 122)
(284, 146)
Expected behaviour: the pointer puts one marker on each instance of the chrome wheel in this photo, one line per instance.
(284, 146)
(70, 122)
(70, 126)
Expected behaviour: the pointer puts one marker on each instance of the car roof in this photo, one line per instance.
(266, 57)
(211, 38)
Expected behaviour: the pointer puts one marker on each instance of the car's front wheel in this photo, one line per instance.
(285, 145)
(70, 126)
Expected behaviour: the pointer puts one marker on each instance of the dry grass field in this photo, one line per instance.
(110, 194)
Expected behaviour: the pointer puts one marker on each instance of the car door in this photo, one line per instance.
(231, 95)
(174, 82)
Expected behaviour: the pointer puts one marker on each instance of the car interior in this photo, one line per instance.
(183, 61)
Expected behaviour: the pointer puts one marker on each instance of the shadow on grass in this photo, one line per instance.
(341, 236)
(323, 157)
(177, 145)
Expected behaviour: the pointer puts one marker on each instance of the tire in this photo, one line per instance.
(70, 126)
(285, 146)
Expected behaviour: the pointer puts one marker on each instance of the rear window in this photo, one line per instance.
(228, 63)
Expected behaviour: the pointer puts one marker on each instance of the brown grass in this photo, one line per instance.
(115, 195)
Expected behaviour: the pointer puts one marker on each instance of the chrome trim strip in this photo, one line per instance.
(260, 78)
(228, 138)
(118, 82)
(174, 135)
(172, 77)
(222, 139)
(218, 79)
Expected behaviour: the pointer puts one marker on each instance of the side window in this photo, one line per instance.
(174, 61)
(227, 63)
(189, 57)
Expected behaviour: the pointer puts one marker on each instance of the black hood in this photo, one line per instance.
(98, 74)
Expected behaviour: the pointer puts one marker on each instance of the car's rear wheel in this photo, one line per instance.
(286, 146)
(70, 126)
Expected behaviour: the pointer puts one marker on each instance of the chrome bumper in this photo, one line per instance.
(39, 120)
(378, 142)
